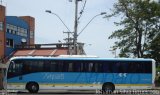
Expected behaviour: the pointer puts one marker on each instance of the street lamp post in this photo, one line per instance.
(76, 34)
(49, 11)
(102, 13)
(69, 31)
(75, 27)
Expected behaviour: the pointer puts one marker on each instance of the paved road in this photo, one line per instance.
(55, 92)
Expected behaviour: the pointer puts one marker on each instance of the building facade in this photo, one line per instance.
(13, 31)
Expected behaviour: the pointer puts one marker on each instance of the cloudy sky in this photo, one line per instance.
(49, 29)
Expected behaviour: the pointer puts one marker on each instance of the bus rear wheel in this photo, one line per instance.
(32, 87)
(108, 88)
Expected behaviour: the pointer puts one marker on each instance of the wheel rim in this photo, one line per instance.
(34, 87)
(108, 88)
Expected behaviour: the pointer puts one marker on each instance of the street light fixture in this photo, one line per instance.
(75, 31)
(76, 24)
(102, 13)
(49, 11)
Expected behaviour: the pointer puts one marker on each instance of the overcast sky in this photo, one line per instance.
(49, 28)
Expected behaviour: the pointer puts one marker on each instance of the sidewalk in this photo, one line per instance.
(157, 88)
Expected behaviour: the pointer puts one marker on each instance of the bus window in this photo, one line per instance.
(15, 69)
(60, 66)
(82, 67)
(39, 65)
(131, 68)
(70, 67)
(121, 67)
(47, 66)
(77, 67)
(31, 66)
(90, 67)
(11, 67)
(144, 67)
(124, 67)
(148, 67)
(116, 67)
(53, 66)
(99, 67)
(96, 67)
(107, 67)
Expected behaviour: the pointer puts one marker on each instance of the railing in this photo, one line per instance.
(43, 46)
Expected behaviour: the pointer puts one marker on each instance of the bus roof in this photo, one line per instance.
(81, 58)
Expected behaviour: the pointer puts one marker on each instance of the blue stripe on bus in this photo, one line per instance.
(71, 78)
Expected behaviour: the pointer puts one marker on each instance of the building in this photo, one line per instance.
(14, 30)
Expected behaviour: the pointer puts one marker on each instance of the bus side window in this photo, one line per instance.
(131, 68)
(60, 66)
(70, 67)
(96, 67)
(148, 67)
(121, 67)
(82, 67)
(125, 67)
(107, 67)
(99, 67)
(47, 66)
(17, 67)
(64, 66)
(53, 66)
(90, 67)
(10, 70)
(77, 67)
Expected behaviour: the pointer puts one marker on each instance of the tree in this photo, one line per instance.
(141, 23)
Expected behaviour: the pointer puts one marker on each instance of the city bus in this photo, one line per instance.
(79, 73)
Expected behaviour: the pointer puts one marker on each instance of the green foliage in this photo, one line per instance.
(158, 69)
(141, 24)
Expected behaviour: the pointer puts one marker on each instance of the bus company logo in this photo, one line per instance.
(53, 76)
(122, 74)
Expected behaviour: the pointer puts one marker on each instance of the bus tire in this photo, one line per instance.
(108, 88)
(32, 87)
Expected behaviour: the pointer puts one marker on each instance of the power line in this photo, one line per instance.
(82, 10)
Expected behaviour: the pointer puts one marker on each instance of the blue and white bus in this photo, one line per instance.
(79, 73)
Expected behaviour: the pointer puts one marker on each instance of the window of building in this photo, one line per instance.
(1, 26)
(10, 43)
(16, 30)
(25, 32)
(31, 34)
(7, 26)
(21, 32)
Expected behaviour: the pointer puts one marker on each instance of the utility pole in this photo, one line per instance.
(69, 42)
(75, 27)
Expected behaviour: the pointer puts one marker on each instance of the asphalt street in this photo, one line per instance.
(69, 92)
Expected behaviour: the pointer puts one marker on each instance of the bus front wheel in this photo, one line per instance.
(32, 87)
(108, 88)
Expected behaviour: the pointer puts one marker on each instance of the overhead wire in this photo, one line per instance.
(82, 10)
